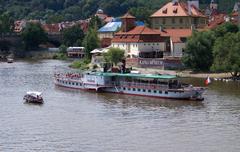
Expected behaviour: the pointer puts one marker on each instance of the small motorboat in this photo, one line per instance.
(33, 97)
(9, 60)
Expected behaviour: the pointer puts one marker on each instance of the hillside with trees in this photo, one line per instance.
(68, 10)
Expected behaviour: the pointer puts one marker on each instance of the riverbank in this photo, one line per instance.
(183, 73)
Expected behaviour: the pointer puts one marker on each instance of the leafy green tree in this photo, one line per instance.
(225, 28)
(95, 22)
(54, 19)
(141, 13)
(114, 55)
(73, 36)
(226, 54)
(6, 23)
(4, 47)
(91, 42)
(198, 53)
(63, 49)
(33, 35)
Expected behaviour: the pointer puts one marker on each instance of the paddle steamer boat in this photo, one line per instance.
(162, 86)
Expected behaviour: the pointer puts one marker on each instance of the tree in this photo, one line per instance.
(225, 28)
(91, 41)
(33, 35)
(73, 36)
(6, 23)
(226, 54)
(63, 49)
(141, 13)
(95, 22)
(114, 55)
(198, 53)
(4, 47)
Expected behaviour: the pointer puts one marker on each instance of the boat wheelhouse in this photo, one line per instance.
(162, 86)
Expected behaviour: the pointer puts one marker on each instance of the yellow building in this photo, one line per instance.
(179, 15)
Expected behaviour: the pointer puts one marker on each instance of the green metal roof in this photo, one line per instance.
(153, 76)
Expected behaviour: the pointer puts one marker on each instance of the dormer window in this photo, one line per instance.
(164, 11)
(175, 10)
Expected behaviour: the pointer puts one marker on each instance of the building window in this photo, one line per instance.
(164, 21)
(181, 20)
(173, 20)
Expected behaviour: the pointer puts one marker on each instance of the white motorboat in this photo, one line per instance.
(33, 97)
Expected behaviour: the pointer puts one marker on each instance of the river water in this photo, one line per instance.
(81, 121)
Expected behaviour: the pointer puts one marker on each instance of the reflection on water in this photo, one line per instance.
(73, 120)
(146, 102)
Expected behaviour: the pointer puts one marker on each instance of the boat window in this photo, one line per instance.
(160, 92)
(139, 89)
(76, 83)
(155, 91)
(69, 82)
(129, 89)
(144, 90)
(124, 88)
(134, 89)
(166, 92)
(149, 90)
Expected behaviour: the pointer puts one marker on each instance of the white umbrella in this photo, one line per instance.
(96, 51)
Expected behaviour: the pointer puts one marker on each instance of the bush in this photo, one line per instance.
(81, 64)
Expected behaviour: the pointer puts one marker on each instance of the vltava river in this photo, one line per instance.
(81, 121)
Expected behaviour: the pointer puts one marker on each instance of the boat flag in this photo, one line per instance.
(208, 80)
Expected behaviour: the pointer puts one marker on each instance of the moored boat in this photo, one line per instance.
(161, 86)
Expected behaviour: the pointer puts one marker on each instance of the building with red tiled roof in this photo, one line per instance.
(145, 42)
(179, 15)
(140, 41)
(217, 20)
(52, 28)
(178, 38)
(19, 26)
